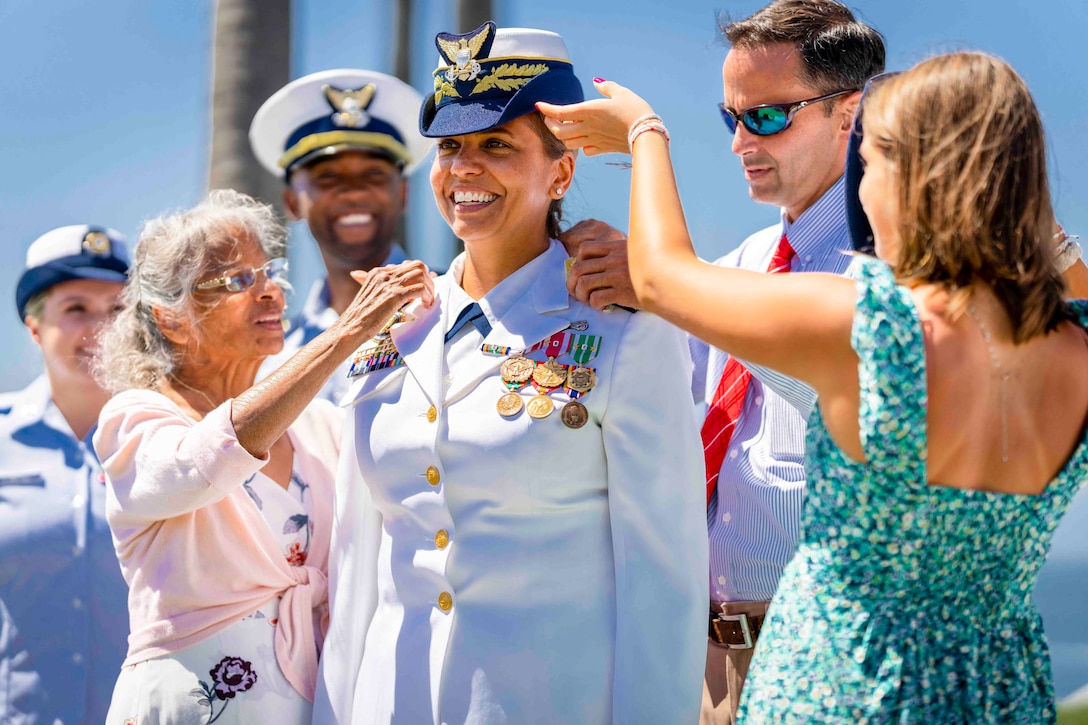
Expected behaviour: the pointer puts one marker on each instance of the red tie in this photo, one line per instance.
(724, 410)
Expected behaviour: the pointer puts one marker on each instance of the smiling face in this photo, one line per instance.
(794, 168)
(494, 187)
(233, 327)
(66, 325)
(879, 192)
(352, 202)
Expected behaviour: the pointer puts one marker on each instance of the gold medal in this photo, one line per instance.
(581, 379)
(509, 405)
(574, 414)
(541, 406)
(517, 370)
(550, 374)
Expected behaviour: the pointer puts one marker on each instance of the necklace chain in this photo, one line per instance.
(201, 393)
(1003, 375)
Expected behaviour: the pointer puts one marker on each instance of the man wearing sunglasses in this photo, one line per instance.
(792, 81)
(344, 142)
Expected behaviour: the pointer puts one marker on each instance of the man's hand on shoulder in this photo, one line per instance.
(599, 276)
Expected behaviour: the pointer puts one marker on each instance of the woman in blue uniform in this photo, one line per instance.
(63, 602)
(528, 540)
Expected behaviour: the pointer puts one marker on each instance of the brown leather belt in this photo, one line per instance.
(737, 631)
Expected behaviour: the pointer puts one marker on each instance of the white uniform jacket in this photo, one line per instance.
(493, 570)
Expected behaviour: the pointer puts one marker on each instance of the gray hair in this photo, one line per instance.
(174, 252)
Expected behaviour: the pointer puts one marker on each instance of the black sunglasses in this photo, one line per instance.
(770, 118)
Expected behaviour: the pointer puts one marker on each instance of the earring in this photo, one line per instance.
(559, 191)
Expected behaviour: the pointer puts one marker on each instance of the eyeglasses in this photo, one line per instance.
(274, 269)
(770, 118)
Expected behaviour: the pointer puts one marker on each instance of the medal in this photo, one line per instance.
(517, 370)
(584, 348)
(554, 346)
(550, 374)
(541, 406)
(558, 344)
(509, 405)
(581, 379)
(574, 414)
(546, 377)
(377, 354)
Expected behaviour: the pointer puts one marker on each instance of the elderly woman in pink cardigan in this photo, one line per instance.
(220, 490)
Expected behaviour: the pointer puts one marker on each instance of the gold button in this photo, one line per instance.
(445, 601)
(441, 539)
(432, 414)
(433, 476)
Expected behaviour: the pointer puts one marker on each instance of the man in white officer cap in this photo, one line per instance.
(344, 141)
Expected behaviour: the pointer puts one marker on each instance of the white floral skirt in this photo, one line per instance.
(231, 679)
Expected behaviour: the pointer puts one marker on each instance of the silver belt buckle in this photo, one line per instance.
(745, 630)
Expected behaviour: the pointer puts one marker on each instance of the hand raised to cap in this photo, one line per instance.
(599, 126)
(599, 276)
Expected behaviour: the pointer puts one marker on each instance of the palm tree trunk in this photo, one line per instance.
(402, 54)
(252, 60)
(471, 14)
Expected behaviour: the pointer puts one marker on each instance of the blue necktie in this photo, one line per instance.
(470, 315)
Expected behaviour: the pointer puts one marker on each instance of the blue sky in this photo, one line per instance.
(105, 112)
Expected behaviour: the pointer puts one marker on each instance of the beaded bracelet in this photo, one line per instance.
(649, 122)
(643, 119)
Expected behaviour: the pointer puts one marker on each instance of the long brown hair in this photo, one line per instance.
(967, 145)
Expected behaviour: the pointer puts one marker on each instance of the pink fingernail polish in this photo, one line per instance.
(598, 80)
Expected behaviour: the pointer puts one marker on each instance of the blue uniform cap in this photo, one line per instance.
(492, 76)
(80, 251)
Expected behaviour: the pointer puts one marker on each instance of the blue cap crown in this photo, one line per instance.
(491, 76)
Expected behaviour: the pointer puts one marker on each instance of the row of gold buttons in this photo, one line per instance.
(442, 537)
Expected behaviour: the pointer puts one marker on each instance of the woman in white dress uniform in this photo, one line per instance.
(220, 490)
(528, 539)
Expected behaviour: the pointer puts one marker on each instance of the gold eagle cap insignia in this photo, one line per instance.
(461, 51)
(349, 104)
(97, 243)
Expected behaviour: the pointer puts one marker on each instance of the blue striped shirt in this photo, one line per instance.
(754, 518)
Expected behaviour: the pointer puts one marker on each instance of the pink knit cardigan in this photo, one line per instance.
(194, 549)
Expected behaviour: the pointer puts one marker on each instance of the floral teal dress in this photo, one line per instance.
(905, 602)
